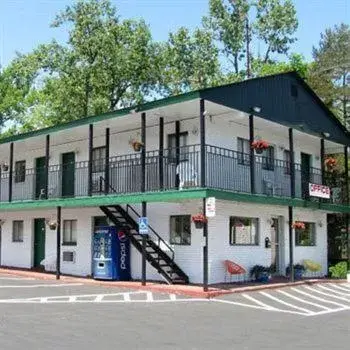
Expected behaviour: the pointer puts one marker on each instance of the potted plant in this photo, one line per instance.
(298, 225)
(330, 164)
(260, 146)
(199, 220)
(260, 273)
(298, 271)
(136, 145)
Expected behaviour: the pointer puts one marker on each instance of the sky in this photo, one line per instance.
(26, 23)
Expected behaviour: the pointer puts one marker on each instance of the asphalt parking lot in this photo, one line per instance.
(48, 314)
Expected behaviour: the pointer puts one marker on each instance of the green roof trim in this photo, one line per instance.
(170, 196)
(101, 117)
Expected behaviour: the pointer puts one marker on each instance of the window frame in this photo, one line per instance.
(17, 235)
(172, 149)
(20, 172)
(182, 240)
(287, 160)
(70, 242)
(98, 164)
(243, 158)
(312, 239)
(232, 234)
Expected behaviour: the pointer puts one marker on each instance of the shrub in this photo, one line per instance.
(339, 270)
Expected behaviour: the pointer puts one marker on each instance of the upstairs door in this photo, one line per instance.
(68, 174)
(39, 241)
(305, 174)
(40, 178)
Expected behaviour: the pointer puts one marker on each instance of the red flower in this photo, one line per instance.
(330, 162)
(298, 225)
(260, 144)
(199, 218)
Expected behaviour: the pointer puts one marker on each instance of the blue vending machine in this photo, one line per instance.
(111, 254)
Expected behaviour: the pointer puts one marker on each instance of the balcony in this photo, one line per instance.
(226, 170)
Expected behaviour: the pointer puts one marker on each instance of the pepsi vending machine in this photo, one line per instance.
(111, 254)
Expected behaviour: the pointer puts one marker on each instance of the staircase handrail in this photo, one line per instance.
(160, 239)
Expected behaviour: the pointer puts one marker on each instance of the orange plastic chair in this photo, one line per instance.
(233, 269)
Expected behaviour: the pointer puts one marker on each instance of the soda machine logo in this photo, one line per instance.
(122, 238)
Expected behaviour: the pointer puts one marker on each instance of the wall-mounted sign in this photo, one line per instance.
(320, 191)
(210, 210)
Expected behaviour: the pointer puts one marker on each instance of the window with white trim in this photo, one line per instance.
(172, 146)
(180, 229)
(244, 231)
(98, 159)
(243, 147)
(306, 237)
(17, 231)
(69, 232)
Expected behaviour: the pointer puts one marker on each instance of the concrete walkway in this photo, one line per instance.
(188, 290)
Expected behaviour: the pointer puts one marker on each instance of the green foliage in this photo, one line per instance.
(330, 73)
(339, 270)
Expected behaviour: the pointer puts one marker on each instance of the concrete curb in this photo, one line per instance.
(186, 290)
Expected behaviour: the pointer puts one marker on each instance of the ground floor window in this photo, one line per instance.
(180, 229)
(306, 237)
(244, 231)
(17, 231)
(100, 221)
(70, 232)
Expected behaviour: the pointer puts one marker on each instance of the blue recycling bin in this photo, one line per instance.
(111, 254)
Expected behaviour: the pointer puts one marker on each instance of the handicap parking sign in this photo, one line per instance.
(143, 225)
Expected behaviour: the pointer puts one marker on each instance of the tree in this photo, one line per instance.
(235, 25)
(330, 73)
(190, 62)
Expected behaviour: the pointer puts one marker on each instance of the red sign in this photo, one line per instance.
(320, 191)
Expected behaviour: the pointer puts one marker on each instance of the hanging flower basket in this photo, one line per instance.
(260, 145)
(330, 163)
(199, 220)
(136, 145)
(298, 225)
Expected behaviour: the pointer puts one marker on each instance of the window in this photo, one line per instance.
(268, 158)
(180, 229)
(20, 171)
(172, 147)
(69, 232)
(244, 231)
(100, 221)
(98, 159)
(286, 162)
(243, 146)
(307, 236)
(17, 231)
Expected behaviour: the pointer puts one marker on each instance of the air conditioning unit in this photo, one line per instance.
(69, 256)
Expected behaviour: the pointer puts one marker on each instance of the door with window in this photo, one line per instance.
(39, 241)
(305, 174)
(68, 174)
(40, 178)
(275, 240)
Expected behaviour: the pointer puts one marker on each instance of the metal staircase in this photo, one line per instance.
(158, 253)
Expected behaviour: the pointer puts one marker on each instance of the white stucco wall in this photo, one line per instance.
(189, 258)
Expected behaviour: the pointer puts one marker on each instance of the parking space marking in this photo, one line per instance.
(343, 287)
(42, 285)
(322, 299)
(17, 278)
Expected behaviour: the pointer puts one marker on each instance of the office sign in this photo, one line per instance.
(210, 208)
(319, 191)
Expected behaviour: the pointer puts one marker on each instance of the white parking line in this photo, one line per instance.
(268, 307)
(343, 287)
(326, 294)
(307, 311)
(42, 285)
(303, 301)
(335, 291)
(17, 278)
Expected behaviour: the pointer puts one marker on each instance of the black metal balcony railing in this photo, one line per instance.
(177, 169)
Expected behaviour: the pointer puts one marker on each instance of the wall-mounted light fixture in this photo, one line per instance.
(4, 167)
(2, 222)
(52, 223)
(326, 134)
(256, 109)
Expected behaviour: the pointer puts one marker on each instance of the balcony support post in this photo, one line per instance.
(106, 184)
(143, 189)
(322, 156)
(346, 171)
(292, 163)
(161, 153)
(11, 172)
(202, 141)
(205, 250)
(251, 154)
(47, 162)
(177, 150)
(91, 138)
(291, 244)
(58, 244)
